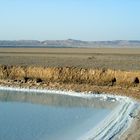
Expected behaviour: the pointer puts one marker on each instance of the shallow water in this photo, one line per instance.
(33, 116)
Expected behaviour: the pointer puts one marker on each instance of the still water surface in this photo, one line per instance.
(33, 116)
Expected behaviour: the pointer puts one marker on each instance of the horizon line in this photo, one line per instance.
(69, 39)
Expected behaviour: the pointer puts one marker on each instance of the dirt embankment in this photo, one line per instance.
(72, 78)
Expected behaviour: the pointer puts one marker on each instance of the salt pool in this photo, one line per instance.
(33, 116)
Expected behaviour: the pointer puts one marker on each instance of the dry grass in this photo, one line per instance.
(100, 77)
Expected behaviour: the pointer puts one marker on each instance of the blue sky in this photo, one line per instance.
(76, 19)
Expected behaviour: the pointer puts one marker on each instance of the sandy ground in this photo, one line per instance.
(124, 59)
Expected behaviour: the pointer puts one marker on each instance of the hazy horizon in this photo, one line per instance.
(85, 20)
(66, 40)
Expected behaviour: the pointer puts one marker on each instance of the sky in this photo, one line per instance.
(91, 20)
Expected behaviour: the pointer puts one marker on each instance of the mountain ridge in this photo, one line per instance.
(70, 43)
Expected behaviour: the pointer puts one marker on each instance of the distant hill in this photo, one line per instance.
(69, 43)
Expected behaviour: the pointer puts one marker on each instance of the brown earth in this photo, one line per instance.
(113, 71)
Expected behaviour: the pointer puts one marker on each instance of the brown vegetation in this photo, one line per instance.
(100, 77)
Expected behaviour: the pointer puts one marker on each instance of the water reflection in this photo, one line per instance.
(55, 99)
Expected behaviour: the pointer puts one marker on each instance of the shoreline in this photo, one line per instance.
(132, 92)
(127, 106)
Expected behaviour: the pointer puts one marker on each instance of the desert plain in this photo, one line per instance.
(110, 58)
